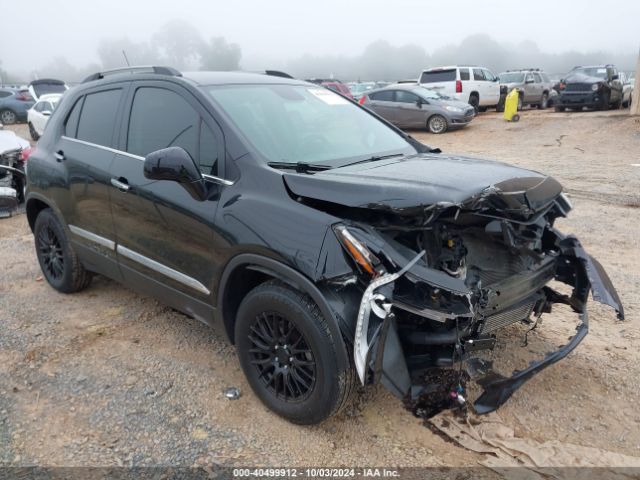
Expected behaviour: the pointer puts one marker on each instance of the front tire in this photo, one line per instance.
(544, 101)
(289, 356)
(437, 124)
(58, 260)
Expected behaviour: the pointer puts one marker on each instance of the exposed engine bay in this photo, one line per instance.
(437, 282)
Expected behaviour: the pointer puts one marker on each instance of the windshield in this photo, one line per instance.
(599, 72)
(512, 77)
(303, 123)
(429, 94)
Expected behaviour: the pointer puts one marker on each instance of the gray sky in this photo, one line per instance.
(278, 30)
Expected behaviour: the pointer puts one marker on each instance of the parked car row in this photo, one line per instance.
(16, 102)
(599, 87)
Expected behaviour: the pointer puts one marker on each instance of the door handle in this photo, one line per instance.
(59, 156)
(121, 184)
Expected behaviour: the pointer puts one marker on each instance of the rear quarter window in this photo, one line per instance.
(436, 76)
(71, 124)
(98, 117)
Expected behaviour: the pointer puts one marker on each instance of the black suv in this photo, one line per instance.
(327, 243)
(596, 87)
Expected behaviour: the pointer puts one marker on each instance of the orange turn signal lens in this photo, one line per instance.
(356, 249)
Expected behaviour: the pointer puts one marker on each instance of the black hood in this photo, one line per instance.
(427, 180)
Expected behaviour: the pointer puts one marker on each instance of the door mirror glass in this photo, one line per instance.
(174, 164)
(615, 77)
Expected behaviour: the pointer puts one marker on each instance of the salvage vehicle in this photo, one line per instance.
(14, 152)
(14, 105)
(597, 87)
(328, 244)
(413, 106)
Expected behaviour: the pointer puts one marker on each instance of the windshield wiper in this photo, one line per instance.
(374, 158)
(300, 167)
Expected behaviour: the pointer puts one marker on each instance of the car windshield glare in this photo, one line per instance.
(306, 124)
(599, 72)
(429, 94)
(513, 77)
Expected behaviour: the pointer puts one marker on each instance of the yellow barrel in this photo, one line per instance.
(511, 107)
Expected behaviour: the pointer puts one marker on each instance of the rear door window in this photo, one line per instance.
(464, 74)
(71, 124)
(98, 117)
(437, 76)
(478, 74)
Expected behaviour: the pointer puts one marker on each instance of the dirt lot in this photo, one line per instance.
(107, 377)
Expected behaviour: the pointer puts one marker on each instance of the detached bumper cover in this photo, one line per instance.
(381, 351)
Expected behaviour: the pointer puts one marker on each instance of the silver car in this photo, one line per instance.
(533, 85)
(413, 106)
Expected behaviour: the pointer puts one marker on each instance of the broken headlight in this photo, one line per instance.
(358, 251)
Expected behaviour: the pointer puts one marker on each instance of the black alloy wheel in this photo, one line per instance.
(50, 253)
(282, 356)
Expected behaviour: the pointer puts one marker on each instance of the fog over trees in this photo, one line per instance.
(180, 45)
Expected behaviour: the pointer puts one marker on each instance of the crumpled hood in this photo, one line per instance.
(10, 141)
(422, 181)
(582, 78)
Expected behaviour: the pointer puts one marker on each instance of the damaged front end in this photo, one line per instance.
(437, 283)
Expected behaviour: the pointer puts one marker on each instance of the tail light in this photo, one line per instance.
(458, 86)
(26, 153)
(24, 97)
(363, 99)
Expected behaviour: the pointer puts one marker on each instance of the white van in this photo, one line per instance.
(476, 85)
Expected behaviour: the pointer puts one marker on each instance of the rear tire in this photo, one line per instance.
(58, 260)
(437, 124)
(32, 131)
(289, 356)
(474, 101)
(8, 117)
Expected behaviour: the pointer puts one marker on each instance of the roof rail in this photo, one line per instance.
(138, 69)
(277, 73)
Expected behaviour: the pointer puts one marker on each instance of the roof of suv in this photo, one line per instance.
(225, 78)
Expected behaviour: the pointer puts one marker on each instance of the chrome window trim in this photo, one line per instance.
(102, 147)
(162, 269)
(92, 237)
(213, 178)
(219, 180)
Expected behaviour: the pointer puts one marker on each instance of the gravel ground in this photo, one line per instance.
(107, 377)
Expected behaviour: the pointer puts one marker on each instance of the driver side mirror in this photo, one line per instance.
(615, 77)
(174, 164)
(46, 113)
(529, 80)
(419, 103)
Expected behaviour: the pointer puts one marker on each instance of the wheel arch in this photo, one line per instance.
(246, 271)
(33, 208)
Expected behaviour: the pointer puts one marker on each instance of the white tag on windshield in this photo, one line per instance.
(327, 96)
